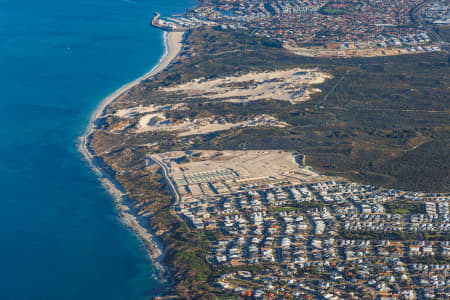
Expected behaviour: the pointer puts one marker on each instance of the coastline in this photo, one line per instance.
(173, 42)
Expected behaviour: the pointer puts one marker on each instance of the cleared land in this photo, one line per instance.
(160, 121)
(242, 166)
(292, 85)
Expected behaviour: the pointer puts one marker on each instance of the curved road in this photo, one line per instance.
(167, 178)
(418, 19)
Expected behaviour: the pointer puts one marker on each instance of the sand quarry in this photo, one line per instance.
(294, 85)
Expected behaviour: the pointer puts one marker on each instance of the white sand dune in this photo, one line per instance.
(159, 121)
(292, 85)
(136, 110)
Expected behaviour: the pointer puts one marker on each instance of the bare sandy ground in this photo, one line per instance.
(248, 164)
(158, 121)
(173, 43)
(293, 85)
(135, 111)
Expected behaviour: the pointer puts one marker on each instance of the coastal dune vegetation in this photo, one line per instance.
(371, 117)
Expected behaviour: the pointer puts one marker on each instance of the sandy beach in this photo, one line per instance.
(173, 42)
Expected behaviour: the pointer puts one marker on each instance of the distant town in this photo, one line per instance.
(328, 28)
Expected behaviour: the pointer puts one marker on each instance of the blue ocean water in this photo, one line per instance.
(60, 237)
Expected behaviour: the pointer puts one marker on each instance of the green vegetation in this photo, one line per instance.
(300, 206)
(343, 8)
(336, 11)
(394, 236)
(429, 260)
(284, 208)
(403, 207)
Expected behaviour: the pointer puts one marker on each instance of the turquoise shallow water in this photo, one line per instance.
(60, 237)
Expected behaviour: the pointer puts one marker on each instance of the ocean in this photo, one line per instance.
(60, 236)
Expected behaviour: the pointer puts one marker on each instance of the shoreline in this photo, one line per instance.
(173, 42)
